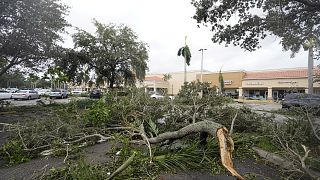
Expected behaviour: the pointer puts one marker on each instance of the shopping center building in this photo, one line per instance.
(275, 84)
(264, 84)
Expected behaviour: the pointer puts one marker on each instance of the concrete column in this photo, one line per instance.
(240, 92)
(269, 94)
(306, 90)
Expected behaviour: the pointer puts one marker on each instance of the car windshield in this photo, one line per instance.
(22, 91)
(55, 90)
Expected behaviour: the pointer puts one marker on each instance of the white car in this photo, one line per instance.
(25, 94)
(157, 96)
(58, 93)
(12, 90)
(42, 92)
(5, 94)
(78, 92)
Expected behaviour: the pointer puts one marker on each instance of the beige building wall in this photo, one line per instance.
(277, 83)
(177, 79)
(232, 79)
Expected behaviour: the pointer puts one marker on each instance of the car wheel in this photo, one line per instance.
(29, 97)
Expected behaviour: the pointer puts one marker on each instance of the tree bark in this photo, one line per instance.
(310, 70)
(216, 130)
(202, 126)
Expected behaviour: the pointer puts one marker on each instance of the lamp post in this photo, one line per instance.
(202, 63)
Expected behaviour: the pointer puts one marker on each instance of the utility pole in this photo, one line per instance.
(201, 77)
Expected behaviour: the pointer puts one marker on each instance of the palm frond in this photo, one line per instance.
(191, 157)
(187, 54)
(180, 51)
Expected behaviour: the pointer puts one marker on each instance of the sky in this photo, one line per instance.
(163, 25)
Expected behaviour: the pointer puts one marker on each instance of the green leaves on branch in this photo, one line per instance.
(30, 30)
(98, 115)
(245, 23)
(114, 53)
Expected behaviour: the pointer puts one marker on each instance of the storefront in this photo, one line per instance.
(232, 81)
(275, 84)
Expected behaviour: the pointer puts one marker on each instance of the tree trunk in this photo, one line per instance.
(216, 130)
(310, 70)
(202, 126)
(185, 70)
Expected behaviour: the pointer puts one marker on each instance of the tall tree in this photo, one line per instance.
(29, 32)
(296, 22)
(166, 77)
(221, 82)
(186, 54)
(12, 79)
(114, 52)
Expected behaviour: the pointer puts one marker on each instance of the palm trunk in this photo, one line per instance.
(185, 70)
(310, 70)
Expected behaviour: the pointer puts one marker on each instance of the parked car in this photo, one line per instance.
(42, 92)
(25, 94)
(12, 90)
(58, 93)
(301, 100)
(157, 96)
(96, 93)
(5, 95)
(78, 92)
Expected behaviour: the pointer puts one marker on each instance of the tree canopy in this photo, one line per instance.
(114, 52)
(245, 22)
(29, 32)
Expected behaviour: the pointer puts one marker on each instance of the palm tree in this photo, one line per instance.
(185, 52)
(221, 82)
(166, 77)
(309, 46)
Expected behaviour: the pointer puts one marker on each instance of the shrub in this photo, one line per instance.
(99, 114)
(14, 153)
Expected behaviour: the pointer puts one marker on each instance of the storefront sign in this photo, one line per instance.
(287, 82)
(254, 83)
(228, 82)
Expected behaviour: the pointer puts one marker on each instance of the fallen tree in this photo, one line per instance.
(226, 144)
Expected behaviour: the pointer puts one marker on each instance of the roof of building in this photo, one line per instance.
(277, 74)
(153, 78)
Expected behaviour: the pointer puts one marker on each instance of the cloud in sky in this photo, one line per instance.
(163, 26)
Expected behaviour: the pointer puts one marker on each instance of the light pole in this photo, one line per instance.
(202, 63)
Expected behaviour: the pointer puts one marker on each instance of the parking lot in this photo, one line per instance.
(44, 100)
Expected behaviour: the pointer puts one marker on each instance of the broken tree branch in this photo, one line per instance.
(102, 138)
(232, 123)
(209, 127)
(286, 164)
(226, 147)
(212, 128)
(312, 127)
(145, 138)
(123, 166)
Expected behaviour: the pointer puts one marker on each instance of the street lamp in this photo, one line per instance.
(202, 62)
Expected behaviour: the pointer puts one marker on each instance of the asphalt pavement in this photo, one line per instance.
(43, 101)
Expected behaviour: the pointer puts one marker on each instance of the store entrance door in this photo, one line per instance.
(275, 95)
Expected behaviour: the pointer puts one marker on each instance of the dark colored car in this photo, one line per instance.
(301, 100)
(96, 93)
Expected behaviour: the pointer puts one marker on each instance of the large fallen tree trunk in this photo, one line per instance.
(202, 126)
(212, 128)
